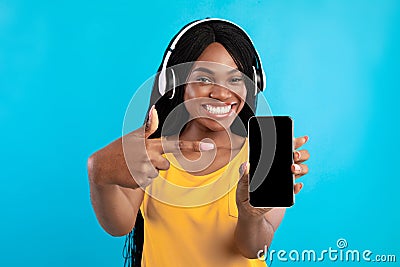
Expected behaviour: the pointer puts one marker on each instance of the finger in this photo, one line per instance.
(152, 122)
(176, 146)
(152, 173)
(300, 155)
(299, 169)
(160, 163)
(298, 142)
(298, 187)
(146, 182)
(242, 191)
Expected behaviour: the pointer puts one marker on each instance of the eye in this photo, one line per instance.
(204, 80)
(236, 80)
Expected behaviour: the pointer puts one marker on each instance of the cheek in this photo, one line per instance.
(191, 92)
(243, 94)
(186, 97)
(190, 98)
(186, 93)
(241, 99)
(194, 95)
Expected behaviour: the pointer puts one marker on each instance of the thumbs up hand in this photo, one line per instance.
(143, 156)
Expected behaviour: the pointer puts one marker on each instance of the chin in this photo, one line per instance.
(216, 126)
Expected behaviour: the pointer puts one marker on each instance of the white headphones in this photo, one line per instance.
(258, 72)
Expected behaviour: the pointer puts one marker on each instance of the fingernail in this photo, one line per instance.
(298, 154)
(297, 167)
(306, 137)
(206, 146)
(301, 185)
(243, 168)
(151, 112)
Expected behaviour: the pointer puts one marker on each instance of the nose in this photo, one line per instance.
(220, 92)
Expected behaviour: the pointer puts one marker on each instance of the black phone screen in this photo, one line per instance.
(270, 158)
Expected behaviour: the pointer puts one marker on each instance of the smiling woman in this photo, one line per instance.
(188, 175)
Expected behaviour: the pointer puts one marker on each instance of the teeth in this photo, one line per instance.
(218, 110)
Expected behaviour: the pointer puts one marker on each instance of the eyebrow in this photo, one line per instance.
(211, 72)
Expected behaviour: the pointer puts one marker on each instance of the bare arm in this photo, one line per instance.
(115, 206)
(253, 232)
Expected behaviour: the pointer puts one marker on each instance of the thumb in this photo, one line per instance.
(152, 122)
(242, 193)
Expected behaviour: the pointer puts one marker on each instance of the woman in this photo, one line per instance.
(210, 221)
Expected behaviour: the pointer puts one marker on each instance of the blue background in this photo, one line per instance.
(68, 70)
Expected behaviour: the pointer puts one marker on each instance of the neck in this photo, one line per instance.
(194, 132)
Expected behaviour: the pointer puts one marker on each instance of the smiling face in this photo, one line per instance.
(215, 92)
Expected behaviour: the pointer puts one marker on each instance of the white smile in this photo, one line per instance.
(218, 110)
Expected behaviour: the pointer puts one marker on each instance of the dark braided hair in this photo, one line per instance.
(188, 49)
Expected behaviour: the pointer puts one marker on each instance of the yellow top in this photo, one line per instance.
(190, 220)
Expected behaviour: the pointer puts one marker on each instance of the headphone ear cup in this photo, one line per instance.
(162, 84)
(261, 80)
(170, 82)
(257, 80)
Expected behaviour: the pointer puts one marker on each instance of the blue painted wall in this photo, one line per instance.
(68, 70)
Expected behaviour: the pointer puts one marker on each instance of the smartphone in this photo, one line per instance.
(270, 157)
